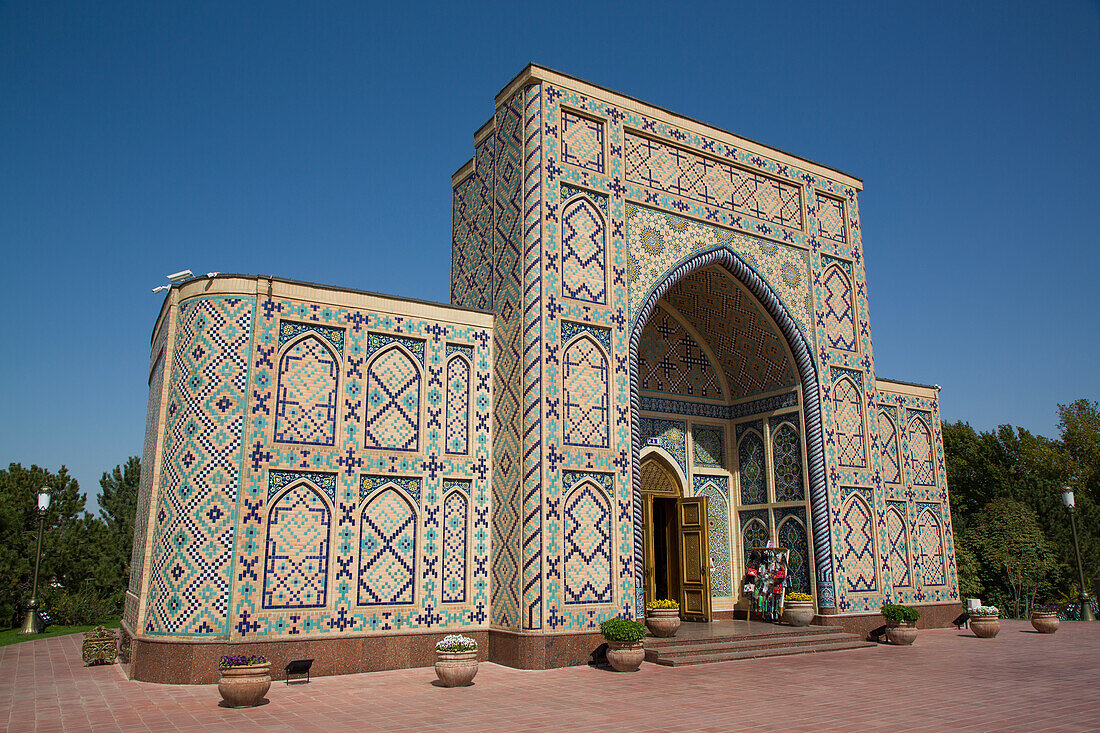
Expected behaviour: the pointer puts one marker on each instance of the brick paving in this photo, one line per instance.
(950, 680)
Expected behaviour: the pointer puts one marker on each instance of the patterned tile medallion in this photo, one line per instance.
(750, 460)
(708, 445)
(787, 460)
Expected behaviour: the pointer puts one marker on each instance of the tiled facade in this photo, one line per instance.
(322, 461)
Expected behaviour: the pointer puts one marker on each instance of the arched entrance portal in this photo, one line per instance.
(675, 538)
(723, 380)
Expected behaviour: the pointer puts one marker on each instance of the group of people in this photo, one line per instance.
(766, 581)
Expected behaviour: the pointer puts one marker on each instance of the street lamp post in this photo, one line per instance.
(32, 624)
(1086, 607)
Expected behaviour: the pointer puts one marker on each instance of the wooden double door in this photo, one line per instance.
(676, 546)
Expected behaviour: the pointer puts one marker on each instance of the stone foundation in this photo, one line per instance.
(932, 616)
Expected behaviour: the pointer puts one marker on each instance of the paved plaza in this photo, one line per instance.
(950, 680)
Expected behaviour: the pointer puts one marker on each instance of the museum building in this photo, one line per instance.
(657, 355)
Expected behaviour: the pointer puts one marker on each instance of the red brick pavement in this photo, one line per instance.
(950, 680)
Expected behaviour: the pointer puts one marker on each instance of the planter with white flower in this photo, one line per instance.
(662, 617)
(1044, 617)
(245, 680)
(798, 609)
(625, 651)
(456, 660)
(901, 623)
(985, 621)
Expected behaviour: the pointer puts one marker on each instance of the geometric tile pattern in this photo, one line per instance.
(668, 434)
(279, 480)
(929, 546)
(839, 317)
(387, 550)
(193, 533)
(897, 547)
(393, 402)
(888, 442)
(670, 360)
(848, 418)
(716, 489)
(587, 543)
(830, 218)
(750, 350)
(709, 445)
(787, 463)
(305, 411)
(584, 252)
(657, 241)
(145, 485)
(856, 554)
(791, 534)
(585, 394)
(455, 515)
(750, 458)
(581, 141)
(296, 556)
(458, 405)
(369, 485)
(754, 534)
(290, 330)
(920, 452)
(688, 175)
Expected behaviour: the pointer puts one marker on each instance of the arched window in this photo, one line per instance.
(393, 402)
(296, 554)
(718, 526)
(586, 394)
(840, 323)
(454, 547)
(305, 406)
(849, 424)
(888, 436)
(897, 549)
(583, 252)
(387, 550)
(750, 458)
(920, 452)
(458, 405)
(587, 545)
(754, 534)
(792, 535)
(787, 459)
(858, 542)
(929, 548)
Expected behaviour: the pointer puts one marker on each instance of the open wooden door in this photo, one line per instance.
(694, 559)
(647, 549)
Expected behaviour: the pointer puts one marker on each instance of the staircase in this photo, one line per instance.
(762, 641)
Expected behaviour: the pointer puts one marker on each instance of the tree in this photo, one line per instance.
(1011, 547)
(118, 505)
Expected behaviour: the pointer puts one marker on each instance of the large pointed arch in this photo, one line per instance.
(811, 401)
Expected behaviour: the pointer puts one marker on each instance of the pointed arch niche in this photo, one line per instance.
(305, 403)
(392, 417)
(296, 551)
(387, 549)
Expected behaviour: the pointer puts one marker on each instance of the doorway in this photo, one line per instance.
(676, 547)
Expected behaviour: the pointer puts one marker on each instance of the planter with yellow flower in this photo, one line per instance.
(798, 609)
(662, 617)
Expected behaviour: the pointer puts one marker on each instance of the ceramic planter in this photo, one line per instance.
(985, 627)
(662, 621)
(1045, 622)
(798, 613)
(901, 633)
(245, 687)
(456, 669)
(625, 656)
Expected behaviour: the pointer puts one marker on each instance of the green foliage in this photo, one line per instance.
(85, 559)
(622, 630)
(12, 636)
(970, 572)
(896, 613)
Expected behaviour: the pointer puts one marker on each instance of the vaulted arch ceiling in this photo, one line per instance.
(745, 340)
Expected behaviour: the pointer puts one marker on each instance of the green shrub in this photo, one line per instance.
(76, 607)
(896, 613)
(622, 630)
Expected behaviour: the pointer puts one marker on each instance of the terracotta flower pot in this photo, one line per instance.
(1045, 622)
(662, 621)
(798, 613)
(901, 633)
(456, 669)
(985, 627)
(245, 687)
(625, 656)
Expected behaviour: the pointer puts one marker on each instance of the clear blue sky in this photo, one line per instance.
(316, 141)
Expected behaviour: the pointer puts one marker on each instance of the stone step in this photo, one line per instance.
(744, 643)
(780, 631)
(729, 655)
